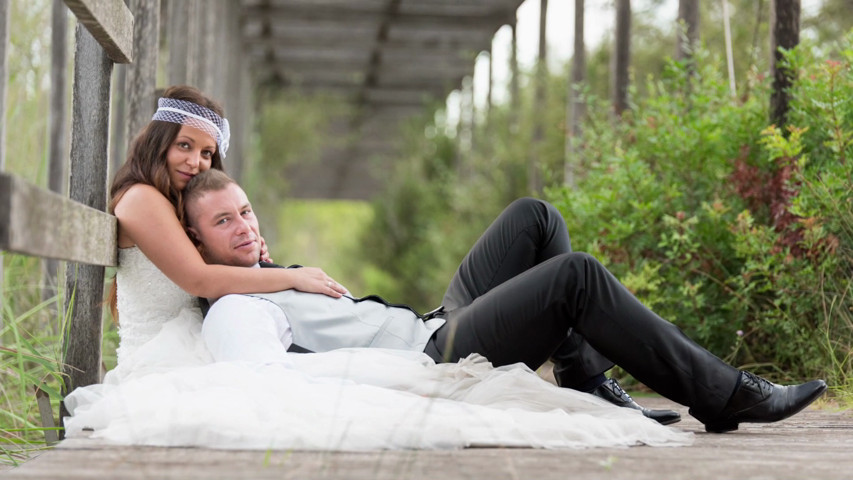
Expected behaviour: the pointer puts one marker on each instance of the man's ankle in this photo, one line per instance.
(592, 383)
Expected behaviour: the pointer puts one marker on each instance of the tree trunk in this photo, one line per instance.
(785, 33)
(688, 29)
(575, 105)
(534, 176)
(621, 56)
(514, 94)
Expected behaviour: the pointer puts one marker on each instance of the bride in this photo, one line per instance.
(166, 389)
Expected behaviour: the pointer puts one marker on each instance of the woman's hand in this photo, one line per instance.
(315, 280)
(265, 252)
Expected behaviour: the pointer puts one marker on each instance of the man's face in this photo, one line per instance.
(225, 225)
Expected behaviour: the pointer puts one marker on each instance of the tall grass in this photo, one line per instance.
(29, 358)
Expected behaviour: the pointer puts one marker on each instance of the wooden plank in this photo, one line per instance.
(813, 444)
(84, 284)
(110, 23)
(38, 222)
(46, 413)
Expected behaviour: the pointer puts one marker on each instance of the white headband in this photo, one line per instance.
(192, 114)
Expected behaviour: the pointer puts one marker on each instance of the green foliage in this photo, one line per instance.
(652, 200)
(737, 232)
(29, 358)
(323, 233)
(28, 90)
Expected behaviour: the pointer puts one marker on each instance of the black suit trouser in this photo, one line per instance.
(520, 291)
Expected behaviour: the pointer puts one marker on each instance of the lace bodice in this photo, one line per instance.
(146, 300)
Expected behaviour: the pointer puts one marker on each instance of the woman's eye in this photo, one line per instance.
(207, 153)
(184, 145)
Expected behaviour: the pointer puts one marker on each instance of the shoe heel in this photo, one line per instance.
(721, 427)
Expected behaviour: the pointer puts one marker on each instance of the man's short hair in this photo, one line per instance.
(208, 181)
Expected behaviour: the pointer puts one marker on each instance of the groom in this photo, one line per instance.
(525, 318)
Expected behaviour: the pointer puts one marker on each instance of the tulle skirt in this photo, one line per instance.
(170, 393)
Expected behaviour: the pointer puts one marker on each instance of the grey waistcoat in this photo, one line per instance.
(321, 323)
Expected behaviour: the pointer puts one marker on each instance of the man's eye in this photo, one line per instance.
(221, 221)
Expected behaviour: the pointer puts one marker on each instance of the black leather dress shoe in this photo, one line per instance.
(613, 393)
(758, 400)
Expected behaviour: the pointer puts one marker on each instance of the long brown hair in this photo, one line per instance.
(146, 161)
(146, 158)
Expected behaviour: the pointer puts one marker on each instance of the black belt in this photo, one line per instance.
(438, 312)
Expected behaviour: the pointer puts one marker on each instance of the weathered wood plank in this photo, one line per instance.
(38, 222)
(813, 444)
(84, 284)
(110, 23)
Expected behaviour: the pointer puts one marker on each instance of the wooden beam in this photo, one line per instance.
(38, 222)
(84, 284)
(110, 23)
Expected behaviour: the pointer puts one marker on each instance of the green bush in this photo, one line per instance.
(653, 201)
(738, 232)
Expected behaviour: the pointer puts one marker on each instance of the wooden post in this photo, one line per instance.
(236, 100)
(56, 178)
(222, 36)
(4, 79)
(142, 73)
(118, 120)
(207, 59)
(181, 50)
(89, 148)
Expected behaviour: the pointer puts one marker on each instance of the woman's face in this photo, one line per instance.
(190, 154)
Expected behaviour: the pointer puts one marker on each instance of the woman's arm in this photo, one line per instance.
(147, 219)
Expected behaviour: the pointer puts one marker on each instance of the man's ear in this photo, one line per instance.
(193, 234)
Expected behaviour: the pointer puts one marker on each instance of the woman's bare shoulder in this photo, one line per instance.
(140, 195)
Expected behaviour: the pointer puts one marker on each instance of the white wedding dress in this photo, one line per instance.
(168, 391)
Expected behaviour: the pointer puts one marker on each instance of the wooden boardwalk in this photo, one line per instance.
(816, 444)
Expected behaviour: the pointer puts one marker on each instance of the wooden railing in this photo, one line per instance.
(35, 221)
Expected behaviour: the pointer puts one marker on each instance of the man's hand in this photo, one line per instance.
(315, 280)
